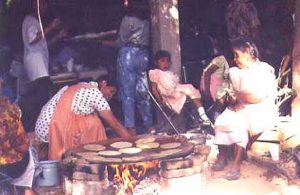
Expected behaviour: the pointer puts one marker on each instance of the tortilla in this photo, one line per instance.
(132, 150)
(86, 154)
(165, 153)
(94, 147)
(120, 145)
(170, 145)
(149, 145)
(145, 140)
(109, 153)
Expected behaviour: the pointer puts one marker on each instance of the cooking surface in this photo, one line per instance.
(181, 148)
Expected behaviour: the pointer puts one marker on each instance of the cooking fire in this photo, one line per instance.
(127, 176)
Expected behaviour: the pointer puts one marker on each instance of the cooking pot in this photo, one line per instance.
(50, 173)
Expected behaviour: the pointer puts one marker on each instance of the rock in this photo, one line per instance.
(176, 164)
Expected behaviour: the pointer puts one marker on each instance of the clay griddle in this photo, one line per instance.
(183, 150)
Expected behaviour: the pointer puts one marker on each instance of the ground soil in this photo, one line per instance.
(255, 180)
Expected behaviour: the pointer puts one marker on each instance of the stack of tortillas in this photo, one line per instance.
(146, 143)
(131, 150)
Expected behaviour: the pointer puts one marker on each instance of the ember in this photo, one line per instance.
(127, 176)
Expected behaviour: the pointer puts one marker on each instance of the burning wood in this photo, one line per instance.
(127, 176)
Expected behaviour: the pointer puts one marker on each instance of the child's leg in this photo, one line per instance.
(194, 94)
(201, 111)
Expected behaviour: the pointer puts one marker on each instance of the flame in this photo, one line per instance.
(128, 175)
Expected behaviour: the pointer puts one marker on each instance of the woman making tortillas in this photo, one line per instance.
(71, 117)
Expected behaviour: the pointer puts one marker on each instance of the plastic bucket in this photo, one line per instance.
(50, 175)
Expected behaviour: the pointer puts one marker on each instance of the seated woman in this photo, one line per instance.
(168, 91)
(252, 107)
(71, 118)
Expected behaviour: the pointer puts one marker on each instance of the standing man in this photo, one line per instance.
(133, 62)
(36, 60)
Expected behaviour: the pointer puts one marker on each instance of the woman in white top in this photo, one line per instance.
(252, 107)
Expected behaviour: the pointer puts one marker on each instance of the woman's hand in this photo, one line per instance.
(110, 118)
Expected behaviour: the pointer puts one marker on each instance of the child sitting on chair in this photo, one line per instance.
(168, 91)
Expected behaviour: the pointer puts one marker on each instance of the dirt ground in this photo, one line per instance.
(254, 180)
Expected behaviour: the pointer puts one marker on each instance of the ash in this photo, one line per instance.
(148, 186)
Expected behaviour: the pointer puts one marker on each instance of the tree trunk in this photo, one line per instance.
(165, 30)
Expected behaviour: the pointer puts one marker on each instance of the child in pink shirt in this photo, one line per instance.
(168, 91)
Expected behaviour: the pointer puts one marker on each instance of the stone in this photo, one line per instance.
(176, 164)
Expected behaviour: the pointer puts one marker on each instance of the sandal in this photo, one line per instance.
(219, 165)
(233, 175)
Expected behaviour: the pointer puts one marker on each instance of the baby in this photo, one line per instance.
(168, 91)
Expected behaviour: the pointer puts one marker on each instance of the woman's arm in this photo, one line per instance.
(110, 118)
(53, 25)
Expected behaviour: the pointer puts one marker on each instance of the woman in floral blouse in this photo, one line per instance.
(13, 144)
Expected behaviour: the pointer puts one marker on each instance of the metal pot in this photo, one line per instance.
(195, 136)
(50, 174)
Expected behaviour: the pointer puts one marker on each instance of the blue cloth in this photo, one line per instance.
(132, 64)
(6, 90)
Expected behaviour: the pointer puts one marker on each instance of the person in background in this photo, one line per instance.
(168, 91)
(197, 47)
(133, 63)
(36, 59)
(14, 154)
(71, 117)
(213, 79)
(251, 109)
(8, 82)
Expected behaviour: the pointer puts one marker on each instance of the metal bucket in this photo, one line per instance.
(195, 136)
(50, 174)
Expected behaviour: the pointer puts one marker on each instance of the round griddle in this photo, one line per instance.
(183, 150)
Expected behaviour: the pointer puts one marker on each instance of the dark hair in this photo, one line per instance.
(108, 79)
(162, 54)
(243, 44)
(138, 8)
